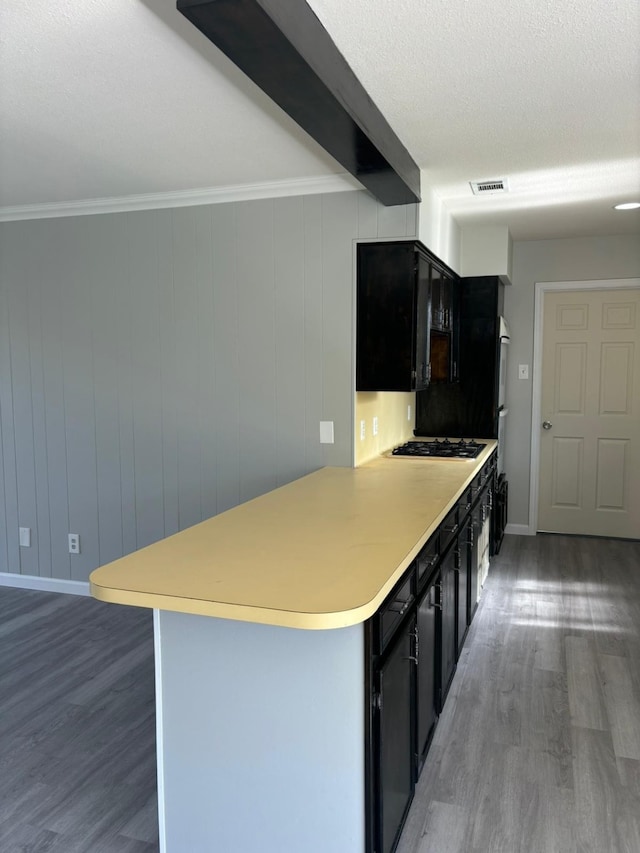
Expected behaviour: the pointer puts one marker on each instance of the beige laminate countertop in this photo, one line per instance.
(321, 552)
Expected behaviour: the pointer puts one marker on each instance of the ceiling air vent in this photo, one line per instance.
(499, 185)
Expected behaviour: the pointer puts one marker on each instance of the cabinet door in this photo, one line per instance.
(422, 367)
(426, 669)
(395, 748)
(446, 302)
(463, 576)
(473, 532)
(393, 317)
(436, 298)
(454, 326)
(448, 612)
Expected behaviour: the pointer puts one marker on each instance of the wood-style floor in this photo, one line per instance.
(77, 726)
(538, 748)
(537, 751)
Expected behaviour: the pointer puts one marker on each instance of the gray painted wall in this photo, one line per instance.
(159, 367)
(547, 260)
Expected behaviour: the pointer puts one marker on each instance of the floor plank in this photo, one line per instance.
(77, 726)
(537, 748)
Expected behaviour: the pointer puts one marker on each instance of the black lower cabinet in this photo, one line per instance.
(426, 690)
(412, 645)
(448, 613)
(395, 738)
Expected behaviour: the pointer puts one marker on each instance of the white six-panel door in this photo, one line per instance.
(590, 413)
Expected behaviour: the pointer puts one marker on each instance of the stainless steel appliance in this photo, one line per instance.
(503, 411)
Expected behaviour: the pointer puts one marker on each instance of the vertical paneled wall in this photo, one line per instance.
(159, 367)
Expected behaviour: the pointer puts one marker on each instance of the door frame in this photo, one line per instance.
(541, 288)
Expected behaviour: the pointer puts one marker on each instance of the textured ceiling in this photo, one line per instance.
(111, 98)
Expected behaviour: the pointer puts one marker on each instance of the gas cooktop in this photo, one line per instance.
(442, 448)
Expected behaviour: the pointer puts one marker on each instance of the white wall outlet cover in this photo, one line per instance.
(326, 432)
(409, 412)
(74, 543)
(25, 537)
(362, 430)
(375, 425)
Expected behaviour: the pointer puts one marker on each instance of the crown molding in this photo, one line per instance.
(182, 198)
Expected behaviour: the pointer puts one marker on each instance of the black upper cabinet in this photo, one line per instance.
(401, 288)
(468, 408)
(393, 317)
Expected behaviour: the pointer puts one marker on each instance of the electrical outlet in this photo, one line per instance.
(523, 371)
(74, 543)
(362, 430)
(375, 425)
(25, 537)
(409, 412)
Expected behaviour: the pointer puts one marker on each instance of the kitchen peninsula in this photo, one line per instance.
(260, 618)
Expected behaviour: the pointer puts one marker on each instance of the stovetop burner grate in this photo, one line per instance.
(440, 448)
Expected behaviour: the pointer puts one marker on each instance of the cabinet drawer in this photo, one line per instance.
(475, 488)
(449, 528)
(465, 503)
(428, 558)
(394, 609)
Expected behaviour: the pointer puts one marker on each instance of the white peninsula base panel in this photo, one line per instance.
(260, 737)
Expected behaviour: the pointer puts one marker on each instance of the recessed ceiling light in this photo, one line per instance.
(628, 205)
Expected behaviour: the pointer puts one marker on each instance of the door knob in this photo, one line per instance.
(546, 425)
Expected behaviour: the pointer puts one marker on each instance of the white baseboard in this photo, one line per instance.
(44, 584)
(519, 530)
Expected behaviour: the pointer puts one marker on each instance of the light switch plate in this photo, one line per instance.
(25, 537)
(362, 430)
(523, 371)
(326, 432)
(375, 425)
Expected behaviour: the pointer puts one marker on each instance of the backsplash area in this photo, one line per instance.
(394, 422)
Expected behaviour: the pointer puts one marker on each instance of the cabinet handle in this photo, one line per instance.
(452, 530)
(415, 660)
(400, 610)
(430, 563)
(438, 603)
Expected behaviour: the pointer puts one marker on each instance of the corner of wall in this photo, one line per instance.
(394, 422)
(437, 228)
